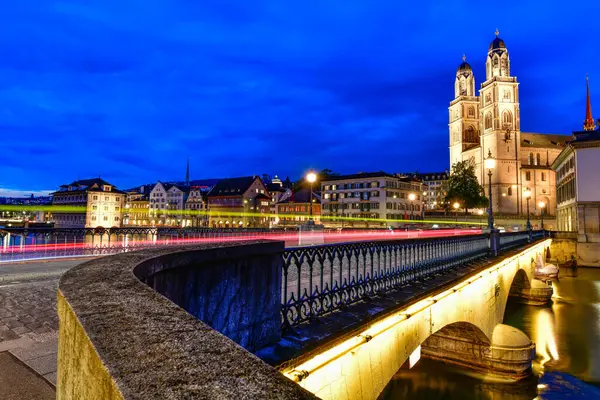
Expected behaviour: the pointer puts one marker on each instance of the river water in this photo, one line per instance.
(567, 366)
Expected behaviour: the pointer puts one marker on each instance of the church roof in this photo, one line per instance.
(544, 140)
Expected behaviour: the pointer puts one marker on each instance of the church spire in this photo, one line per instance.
(187, 172)
(588, 124)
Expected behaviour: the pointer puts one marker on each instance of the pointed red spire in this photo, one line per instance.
(588, 124)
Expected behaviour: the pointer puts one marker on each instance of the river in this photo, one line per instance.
(567, 366)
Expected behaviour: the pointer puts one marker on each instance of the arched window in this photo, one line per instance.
(510, 190)
(507, 118)
(530, 159)
(507, 94)
(471, 112)
(538, 159)
(471, 134)
(543, 176)
(488, 121)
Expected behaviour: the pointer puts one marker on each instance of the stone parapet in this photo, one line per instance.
(120, 339)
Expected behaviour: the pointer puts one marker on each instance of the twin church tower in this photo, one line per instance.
(489, 124)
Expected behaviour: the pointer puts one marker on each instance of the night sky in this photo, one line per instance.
(129, 89)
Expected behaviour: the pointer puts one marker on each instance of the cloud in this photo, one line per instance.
(129, 90)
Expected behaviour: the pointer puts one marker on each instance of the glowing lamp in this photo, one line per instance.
(490, 163)
(311, 177)
(480, 212)
(456, 206)
(527, 193)
(542, 204)
(412, 196)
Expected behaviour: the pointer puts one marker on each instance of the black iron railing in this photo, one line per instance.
(321, 279)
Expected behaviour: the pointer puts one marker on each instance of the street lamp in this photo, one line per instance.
(542, 205)
(527, 194)
(456, 207)
(311, 177)
(412, 198)
(490, 164)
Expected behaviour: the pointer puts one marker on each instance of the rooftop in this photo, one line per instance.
(544, 140)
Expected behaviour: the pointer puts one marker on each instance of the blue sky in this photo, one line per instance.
(130, 89)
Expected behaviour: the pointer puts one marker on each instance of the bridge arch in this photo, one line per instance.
(463, 320)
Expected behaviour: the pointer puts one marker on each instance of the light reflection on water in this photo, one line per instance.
(567, 336)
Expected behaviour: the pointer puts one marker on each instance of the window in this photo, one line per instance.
(538, 159)
(471, 134)
(116, 218)
(106, 198)
(527, 176)
(510, 190)
(95, 197)
(116, 208)
(543, 176)
(507, 118)
(106, 217)
(105, 208)
(94, 207)
(488, 120)
(93, 217)
(507, 94)
(471, 112)
(530, 159)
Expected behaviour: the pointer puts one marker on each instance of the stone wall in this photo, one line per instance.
(233, 290)
(120, 339)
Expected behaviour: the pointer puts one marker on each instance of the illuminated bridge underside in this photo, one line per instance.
(471, 313)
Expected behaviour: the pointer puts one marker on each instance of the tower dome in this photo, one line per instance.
(465, 80)
(498, 61)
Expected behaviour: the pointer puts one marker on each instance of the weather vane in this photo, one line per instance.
(497, 33)
(464, 58)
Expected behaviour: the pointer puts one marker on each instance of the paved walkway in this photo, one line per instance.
(28, 339)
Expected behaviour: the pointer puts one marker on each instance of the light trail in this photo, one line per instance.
(291, 239)
(234, 214)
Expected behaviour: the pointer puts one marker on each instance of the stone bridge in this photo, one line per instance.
(146, 324)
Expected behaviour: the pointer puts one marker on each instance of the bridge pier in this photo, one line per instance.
(536, 293)
(508, 355)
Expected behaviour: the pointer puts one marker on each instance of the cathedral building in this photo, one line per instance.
(488, 124)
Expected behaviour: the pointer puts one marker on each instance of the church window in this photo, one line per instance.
(507, 118)
(507, 94)
(471, 112)
(530, 159)
(543, 176)
(488, 121)
(538, 159)
(527, 176)
(495, 61)
(471, 134)
(510, 190)
(488, 98)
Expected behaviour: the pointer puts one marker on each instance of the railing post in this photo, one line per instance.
(494, 242)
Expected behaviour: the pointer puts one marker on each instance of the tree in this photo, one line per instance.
(464, 188)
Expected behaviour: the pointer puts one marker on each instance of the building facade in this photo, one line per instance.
(239, 203)
(370, 199)
(577, 182)
(489, 123)
(295, 210)
(196, 207)
(89, 203)
(435, 187)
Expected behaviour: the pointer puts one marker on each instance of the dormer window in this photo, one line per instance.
(107, 188)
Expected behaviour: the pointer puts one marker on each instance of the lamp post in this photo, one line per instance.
(412, 198)
(527, 195)
(490, 164)
(456, 207)
(311, 177)
(542, 205)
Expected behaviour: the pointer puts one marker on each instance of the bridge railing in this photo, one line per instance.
(320, 279)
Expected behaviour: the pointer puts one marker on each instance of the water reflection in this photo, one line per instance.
(567, 336)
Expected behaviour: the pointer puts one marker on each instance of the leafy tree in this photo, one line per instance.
(464, 188)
